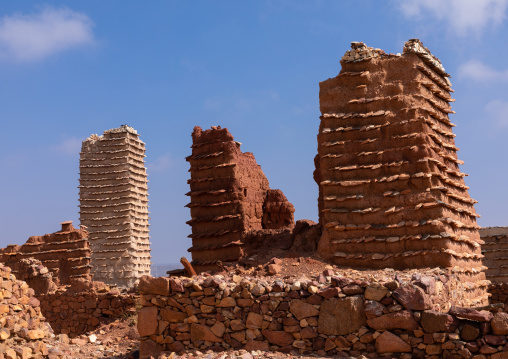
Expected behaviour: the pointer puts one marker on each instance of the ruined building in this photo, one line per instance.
(113, 196)
(495, 250)
(229, 197)
(65, 253)
(391, 193)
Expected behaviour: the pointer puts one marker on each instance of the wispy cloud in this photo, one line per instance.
(69, 146)
(161, 163)
(498, 110)
(462, 17)
(31, 37)
(476, 70)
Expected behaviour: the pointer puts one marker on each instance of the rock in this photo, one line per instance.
(201, 332)
(398, 320)
(308, 333)
(78, 341)
(373, 309)
(302, 310)
(258, 290)
(4, 333)
(412, 297)
(469, 332)
(495, 339)
(341, 316)
(352, 289)
(433, 349)
(218, 329)
(435, 322)
(499, 323)
(273, 269)
(427, 283)
(64, 338)
(92, 338)
(227, 302)
(171, 316)
(151, 285)
(175, 285)
(500, 355)
(149, 348)
(376, 291)
(254, 320)
(390, 343)
(279, 338)
(471, 314)
(328, 292)
(255, 345)
(147, 321)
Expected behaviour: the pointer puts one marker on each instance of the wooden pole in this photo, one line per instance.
(188, 266)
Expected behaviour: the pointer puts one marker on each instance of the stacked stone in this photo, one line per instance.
(77, 313)
(391, 192)
(113, 195)
(328, 315)
(495, 250)
(65, 253)
(228, 190)
(22, 326)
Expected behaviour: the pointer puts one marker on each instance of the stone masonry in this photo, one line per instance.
(228, 194)
(391, 192)
(495, 251)
(113, 196)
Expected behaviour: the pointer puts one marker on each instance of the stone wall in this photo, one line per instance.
(75, 312)
(65, 253)
(391, 191)
(22, 326)
(419, 314)
(113, 196)
(228, 193)
(495, 250)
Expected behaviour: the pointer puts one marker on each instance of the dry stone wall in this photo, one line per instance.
(113, 195)
(417, 317)
(228, 192)
(66, 254)
(495, 250)
(391, 191)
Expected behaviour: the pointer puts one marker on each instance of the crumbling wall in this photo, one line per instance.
(278, 212)
(228, 192)
(390, 185)
(113, 195)
(329, 315)
(495, 250)
(66, 254)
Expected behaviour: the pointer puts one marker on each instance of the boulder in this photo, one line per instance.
(390, 343)
(436, 322)
(147, 321)
(499, 323)
(471, 314)
(341, 316)
(302, 310)
(412, 297)
(398, 320)
(151, 285)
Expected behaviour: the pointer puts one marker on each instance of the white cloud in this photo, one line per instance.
(478, 71)
(70, 146)
(462, 16)
(498, 110)
(160, 164)
(39, 35)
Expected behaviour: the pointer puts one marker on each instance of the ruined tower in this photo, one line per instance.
(113, 196)
(229, 197)
(391, 193)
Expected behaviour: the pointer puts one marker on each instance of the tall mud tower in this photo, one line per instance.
(113, 195)
(390, 190)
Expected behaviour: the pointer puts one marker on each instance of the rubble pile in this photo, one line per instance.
(22, 326)
(327, 315)
(113, 194)
(391, 191)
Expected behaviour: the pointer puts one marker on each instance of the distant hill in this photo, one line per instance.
(159, 270)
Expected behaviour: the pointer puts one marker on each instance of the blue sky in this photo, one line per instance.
(70, 69)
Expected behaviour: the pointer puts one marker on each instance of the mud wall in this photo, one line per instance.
(392, 193)
(228, 192)
(113, 196)
(330, 315)
(495, 250)
(65, 253)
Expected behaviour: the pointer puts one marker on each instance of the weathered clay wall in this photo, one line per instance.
(75, 313)
(420, 316)
(113, 195)
(495, 250)
(278, 212)
(391, 189)
(65, 253)
(22, 326)
(227, 194)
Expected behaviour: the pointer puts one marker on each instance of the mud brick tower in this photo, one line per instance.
(113, 196)
(229, 197)
(390, 190)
